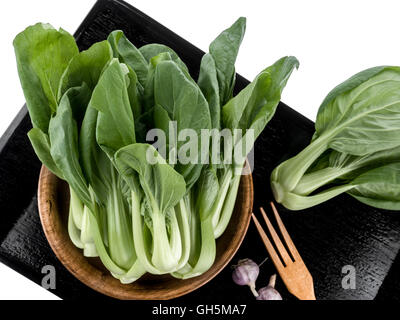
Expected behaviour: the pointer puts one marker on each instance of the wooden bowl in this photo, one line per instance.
(53, 198)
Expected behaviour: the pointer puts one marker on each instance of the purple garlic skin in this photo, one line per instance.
(268, 293)
(245, 272)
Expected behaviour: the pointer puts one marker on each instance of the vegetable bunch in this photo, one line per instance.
(91, 112)
(355, 148)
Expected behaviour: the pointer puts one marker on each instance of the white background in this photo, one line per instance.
(332, 39)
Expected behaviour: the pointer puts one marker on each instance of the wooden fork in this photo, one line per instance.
(291, 269)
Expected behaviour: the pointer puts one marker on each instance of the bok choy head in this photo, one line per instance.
(355, 148)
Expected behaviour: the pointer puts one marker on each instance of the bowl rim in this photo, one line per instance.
(79, 266)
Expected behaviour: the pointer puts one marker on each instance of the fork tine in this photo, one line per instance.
(272, 253)
(285, 234)
(281, 248)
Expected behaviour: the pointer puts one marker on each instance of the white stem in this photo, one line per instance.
(272, 281)
(252, 287)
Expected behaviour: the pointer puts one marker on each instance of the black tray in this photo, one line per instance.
(338, 233)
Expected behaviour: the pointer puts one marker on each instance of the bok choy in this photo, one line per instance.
(355, 148)
(92, 114)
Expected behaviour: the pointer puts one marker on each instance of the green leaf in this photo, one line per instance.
(362, 115)
(151, 50)
(135, 92)
(115, 126)
(162, 119)
(86, 67)
(127, 53)
(160, 182)
(224, 49)
(41, 144)
(167, 55)
(42, 55)
(256, 104)
(208, 83)
(148, 93)
(348, 85)
(185, 104)
(63, 134)
(79, 98)
(96, 164)
(379, 187)
(143, 124)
